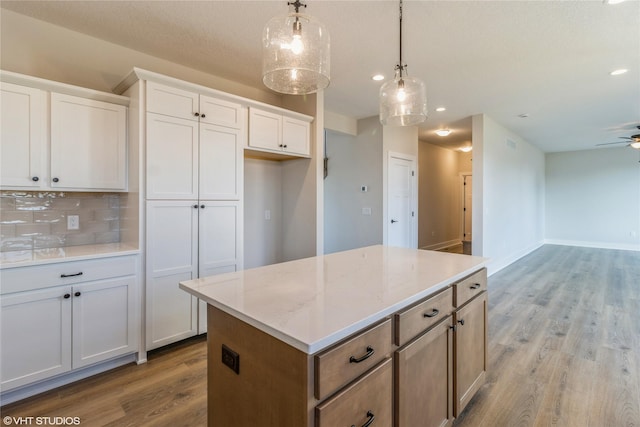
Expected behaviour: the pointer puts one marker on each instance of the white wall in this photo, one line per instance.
(40, 49)
(353, 161)
(440, 199)
(262, 192)
(509, 194)
(593, 198)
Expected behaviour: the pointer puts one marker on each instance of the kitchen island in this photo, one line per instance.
(323, 341)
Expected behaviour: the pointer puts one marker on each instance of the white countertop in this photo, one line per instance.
(315, 302)
(14, 259)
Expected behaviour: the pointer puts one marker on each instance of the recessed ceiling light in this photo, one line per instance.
(377, 77)
(523, 115)
(439, 109)
(466, 149)
(443, 132)
(618, 72)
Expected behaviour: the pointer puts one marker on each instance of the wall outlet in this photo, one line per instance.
(231, 359)
(73, 222)
(366, 211)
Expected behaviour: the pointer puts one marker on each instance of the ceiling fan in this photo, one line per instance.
(632, 141)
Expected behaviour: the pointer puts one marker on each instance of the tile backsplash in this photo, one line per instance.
(38, 220)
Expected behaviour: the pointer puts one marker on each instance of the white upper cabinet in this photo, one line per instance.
(185, 104)
(219, 162)
(269, 131)
(88, 143)
(23, 144)
(61, 137)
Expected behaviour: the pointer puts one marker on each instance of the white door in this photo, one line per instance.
(88, 143)
(468, 189)
(219, 244)
(103, 320)
(220, 159)
(172, 158)
(401, 195)
(172, 250)
(35, 335)
(22, 152)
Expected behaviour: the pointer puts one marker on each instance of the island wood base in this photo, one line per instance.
(275, 381)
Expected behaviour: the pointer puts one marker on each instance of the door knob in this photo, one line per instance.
(393, 220)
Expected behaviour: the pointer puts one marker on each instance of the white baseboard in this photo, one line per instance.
(23, 392)
(496, 265)
(442, 245)
(599, 245)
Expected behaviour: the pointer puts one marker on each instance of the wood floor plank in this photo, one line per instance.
(564, 350)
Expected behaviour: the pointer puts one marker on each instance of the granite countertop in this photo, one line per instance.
(28, 258)
(315, 302)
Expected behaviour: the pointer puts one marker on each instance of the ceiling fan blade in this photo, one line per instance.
(611, 143)
(624, 137)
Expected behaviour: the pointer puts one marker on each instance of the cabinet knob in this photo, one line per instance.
(55, 180)
(35, 179)
(280, 145)
(77, 294)
(203, 115)
(195, 206)
(461, 321)
(285, 145)
(370, 418)
(196, 114)
(67, 296)
(202, 206)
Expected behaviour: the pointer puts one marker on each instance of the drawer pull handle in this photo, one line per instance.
(434, 313)
(71, 275)
(369, 421)
(475, 286)
(461, 321)
(367, 355)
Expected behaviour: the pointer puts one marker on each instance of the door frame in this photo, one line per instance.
(414, 197)
(462, 176)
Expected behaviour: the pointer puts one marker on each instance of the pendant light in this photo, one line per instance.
(403, 101)
(295, 53)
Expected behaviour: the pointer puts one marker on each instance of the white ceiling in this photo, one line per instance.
(548, 59)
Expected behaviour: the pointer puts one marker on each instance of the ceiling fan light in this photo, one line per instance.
(635, 145)
(295, 54)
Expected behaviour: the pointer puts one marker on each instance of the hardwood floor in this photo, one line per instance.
(564, 350)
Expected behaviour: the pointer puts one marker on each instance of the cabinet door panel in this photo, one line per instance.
(103, 320)
(171, 257)
(88, 143)
(264, 129)
(423, 379)
(220, 163)
(172, 102)
(219, 243)
(172, 158)
(22, 152)
(219, 112)
(202, 306)
(295, 136)
(35, 335)
(470, 350)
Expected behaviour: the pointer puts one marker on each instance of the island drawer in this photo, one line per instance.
(418, 318)
(348, 360)
(367, 401)
(469, 287)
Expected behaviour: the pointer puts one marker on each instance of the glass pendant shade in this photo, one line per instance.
(295, 56)
(403, 101)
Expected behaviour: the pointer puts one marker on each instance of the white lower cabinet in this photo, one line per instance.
(186, 240)
(50, 331)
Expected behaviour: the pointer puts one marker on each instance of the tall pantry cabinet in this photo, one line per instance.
(192, 173)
